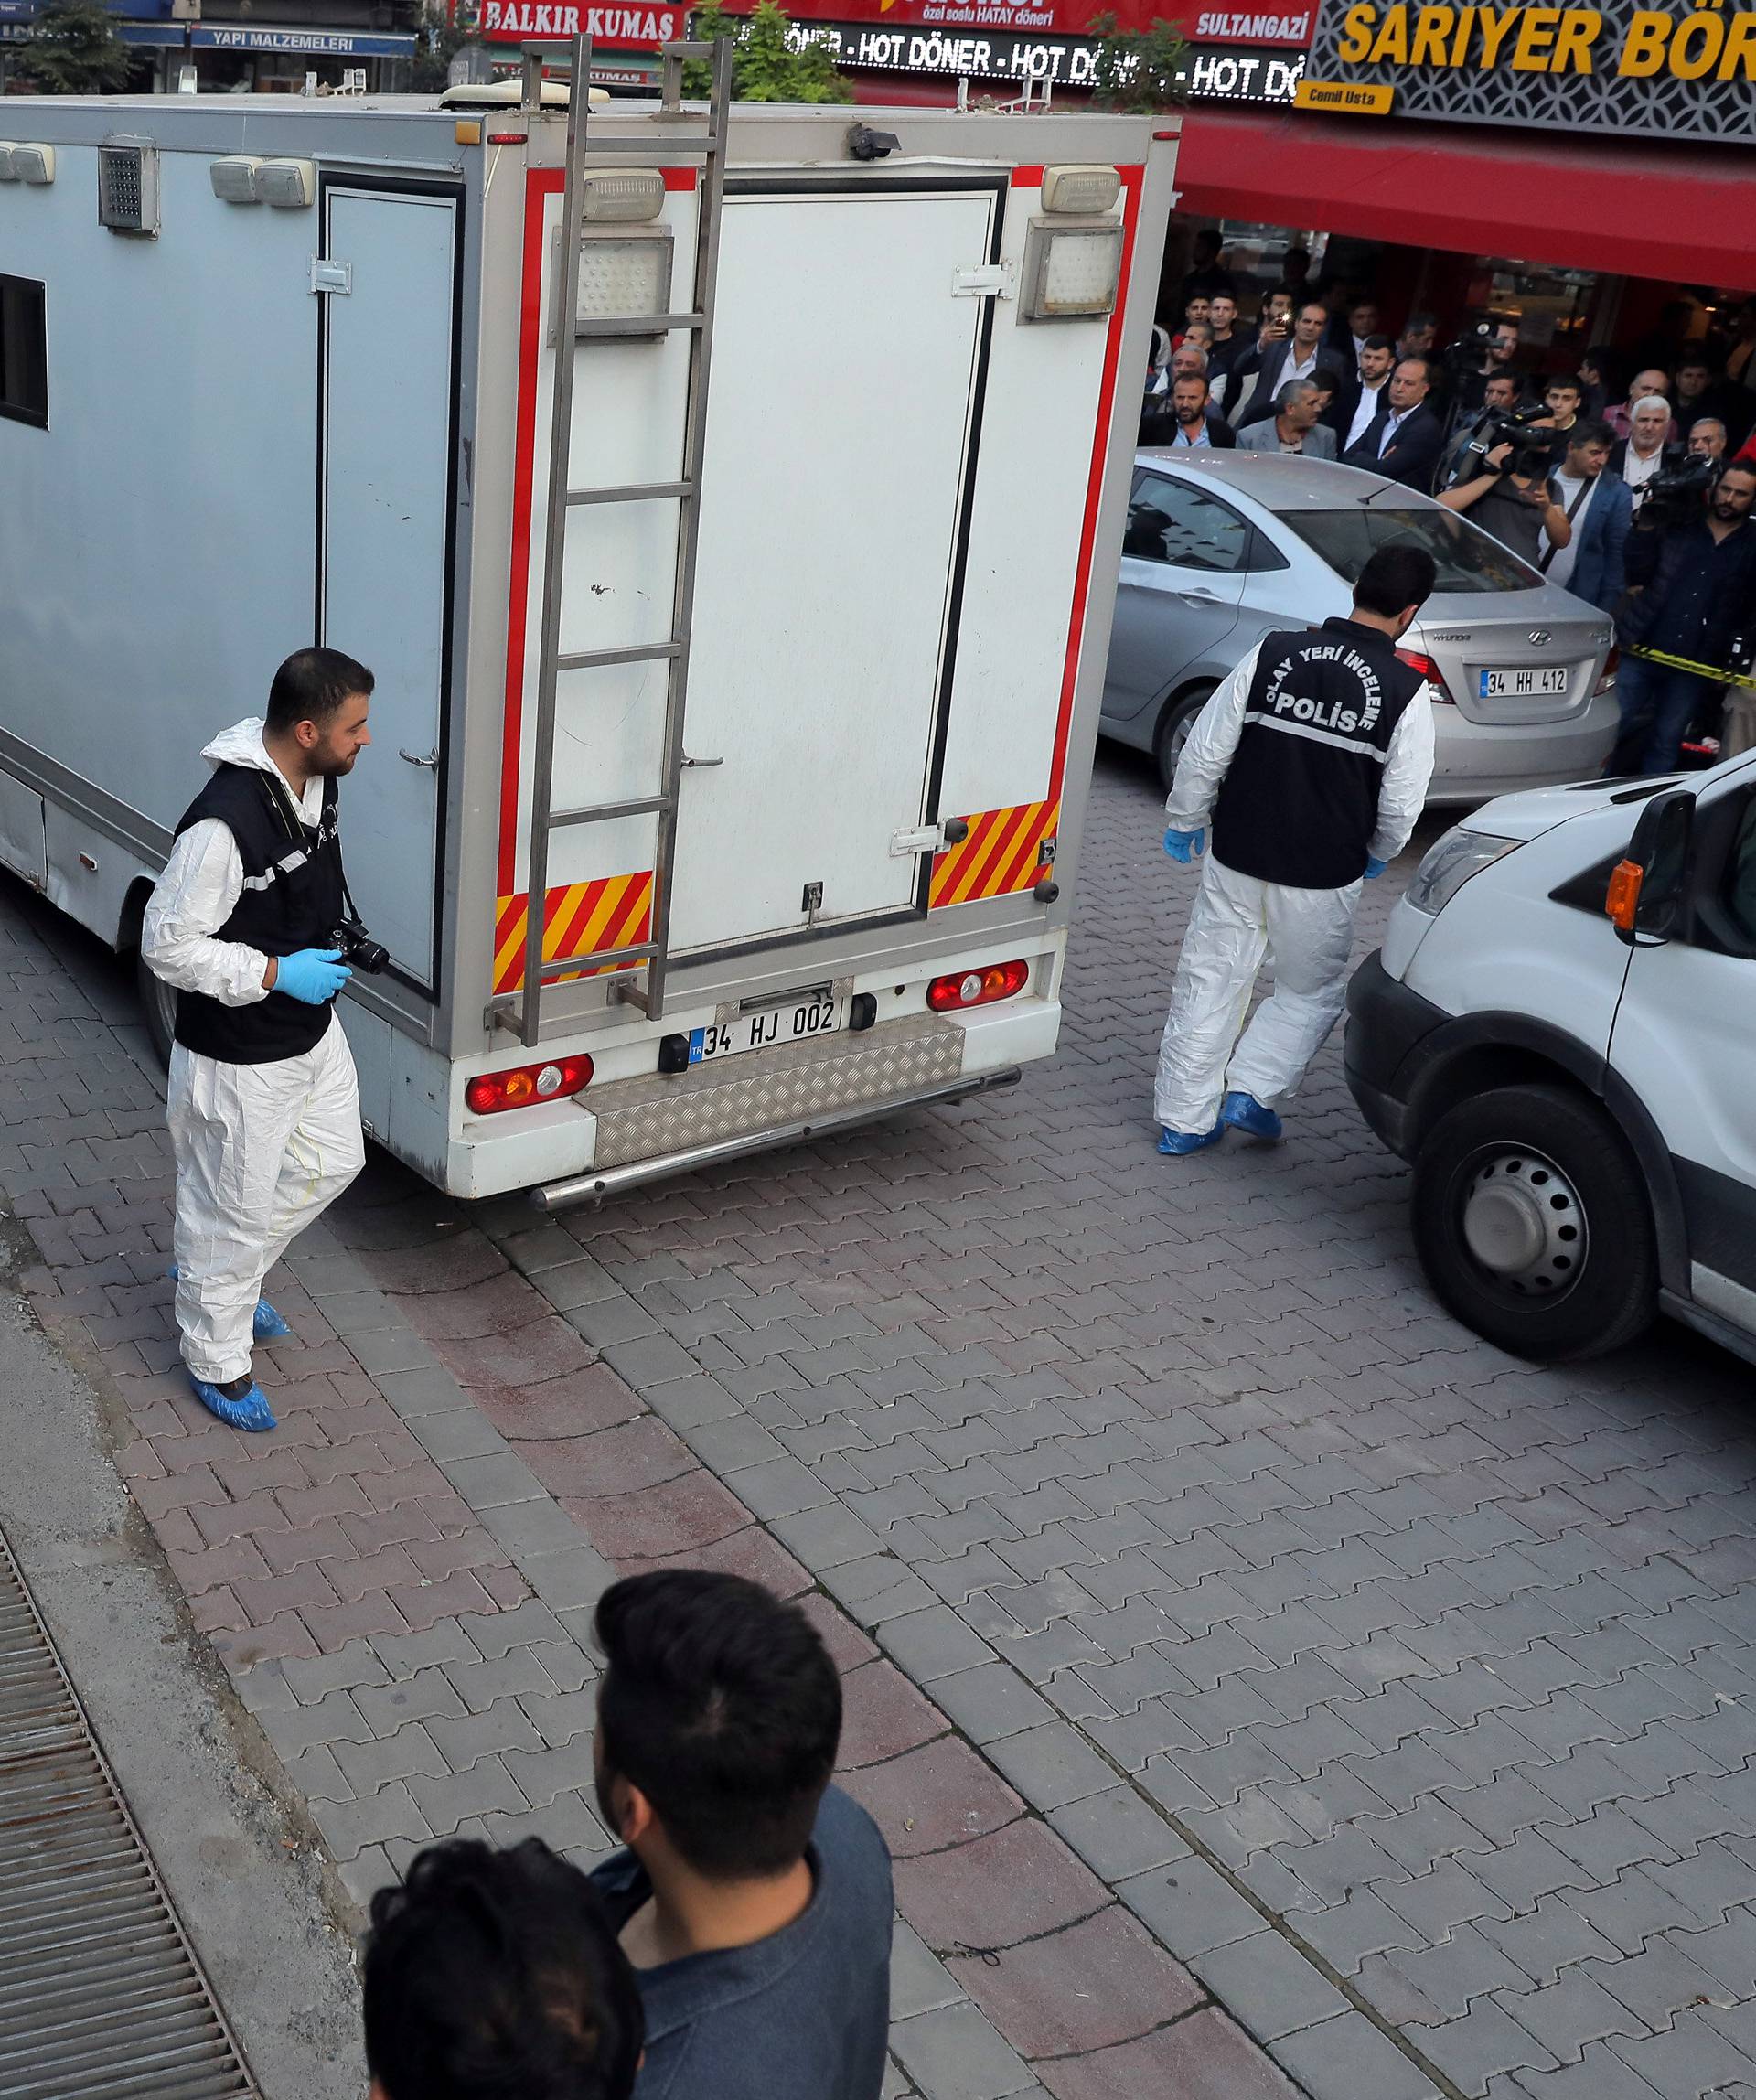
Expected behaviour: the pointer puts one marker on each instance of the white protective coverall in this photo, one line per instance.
(1236, 918)
(260, 1148)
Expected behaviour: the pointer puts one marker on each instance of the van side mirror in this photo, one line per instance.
(1649, 883)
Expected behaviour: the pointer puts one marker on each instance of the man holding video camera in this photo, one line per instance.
(1687, 620)
(1508, 489)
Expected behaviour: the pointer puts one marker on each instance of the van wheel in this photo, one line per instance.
(1532, 1224)
(158, 1005)
(1174, 725)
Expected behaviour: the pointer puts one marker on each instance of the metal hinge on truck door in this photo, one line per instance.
(984, 281)
(336, 278)
(929, 839)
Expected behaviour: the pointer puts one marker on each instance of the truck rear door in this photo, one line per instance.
(387, 360)
(840, 445)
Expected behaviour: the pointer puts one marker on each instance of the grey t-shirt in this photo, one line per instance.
(802, 2015)
(1514, 522)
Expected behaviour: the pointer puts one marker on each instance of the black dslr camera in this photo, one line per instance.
(359, 950)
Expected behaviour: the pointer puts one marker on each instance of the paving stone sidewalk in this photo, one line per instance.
(1223, 1627)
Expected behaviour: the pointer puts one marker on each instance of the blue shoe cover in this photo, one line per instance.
(265, 1325)
(252, 1412)
(1245, 1112)
(1181, 1142)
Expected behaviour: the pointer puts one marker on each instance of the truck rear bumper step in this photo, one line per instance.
(598, 1187)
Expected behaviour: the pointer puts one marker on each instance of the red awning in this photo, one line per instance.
(1681, 214)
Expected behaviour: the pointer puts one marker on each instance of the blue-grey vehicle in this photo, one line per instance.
(1221, 548)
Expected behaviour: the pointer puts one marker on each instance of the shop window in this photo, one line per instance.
(24, 351)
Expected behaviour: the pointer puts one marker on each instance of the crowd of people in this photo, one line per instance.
(1630, 488)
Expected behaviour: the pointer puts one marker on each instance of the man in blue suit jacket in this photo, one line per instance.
(1601, 507)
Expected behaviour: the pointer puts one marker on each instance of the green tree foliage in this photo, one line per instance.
(770, 62)
(73, 50)
(1139, 70)
(436, 43)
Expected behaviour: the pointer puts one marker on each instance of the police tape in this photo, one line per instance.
(1719, 677)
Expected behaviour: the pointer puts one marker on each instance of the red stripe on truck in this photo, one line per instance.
(1131, 180)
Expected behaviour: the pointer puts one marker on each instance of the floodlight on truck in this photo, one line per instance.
(613, 196)
(24, 163)
(1080, 189)
(233, 178)
(1071, 273)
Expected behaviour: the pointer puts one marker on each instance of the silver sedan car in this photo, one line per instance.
(1223, 548)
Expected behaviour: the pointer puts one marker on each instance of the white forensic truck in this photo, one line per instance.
(758, 635)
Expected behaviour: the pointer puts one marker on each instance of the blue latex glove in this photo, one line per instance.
(312, 975)
(1183, 845)
(1374, 869)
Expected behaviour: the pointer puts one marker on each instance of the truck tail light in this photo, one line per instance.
(1607, 676)
(966, 988)
(526, 1085)
(1430, 671)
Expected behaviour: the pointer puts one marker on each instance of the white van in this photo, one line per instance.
(758, 688)
(1558, 1032)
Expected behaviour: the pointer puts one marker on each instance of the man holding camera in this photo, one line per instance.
(1512, 497)
(244, 923)
(1695, 608)
(1499, 398)
(1280, 358)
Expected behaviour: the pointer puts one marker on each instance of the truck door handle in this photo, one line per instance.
(431, 761)
(702, 763)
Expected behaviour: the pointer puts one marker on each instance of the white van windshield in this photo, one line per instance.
(1467, 559)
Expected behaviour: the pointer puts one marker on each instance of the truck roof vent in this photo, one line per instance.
(128, 185)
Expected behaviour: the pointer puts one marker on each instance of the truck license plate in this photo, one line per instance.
(1513, 684)
(788, 1023)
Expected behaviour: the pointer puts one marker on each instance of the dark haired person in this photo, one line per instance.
(1272, 364)
(1405, 438)
(486, 1974)
(262, 1103)
(753, 1898)
(1311, 764)
(1692, 604)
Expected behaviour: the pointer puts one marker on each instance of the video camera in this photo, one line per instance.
(1469, 352)
(1673, 496)
(1534, 450)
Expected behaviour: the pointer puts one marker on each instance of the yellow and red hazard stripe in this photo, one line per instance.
(580, 919)
(1002, 854)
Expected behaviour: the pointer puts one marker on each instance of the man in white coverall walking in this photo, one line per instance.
(1311, 763)
(264, 1105)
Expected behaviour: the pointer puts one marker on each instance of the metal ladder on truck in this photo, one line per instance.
(647, 959)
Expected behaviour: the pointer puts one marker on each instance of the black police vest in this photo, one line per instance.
(1298, 804)
(292, 898)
